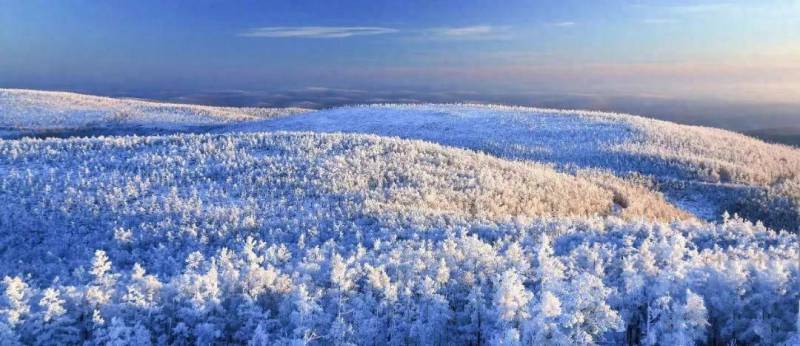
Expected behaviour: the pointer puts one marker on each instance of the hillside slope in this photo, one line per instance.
(705, 170)
(251, 237)
(63, 114)
(481, 225)
(87, 188)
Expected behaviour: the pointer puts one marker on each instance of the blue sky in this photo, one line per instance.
(733, 49)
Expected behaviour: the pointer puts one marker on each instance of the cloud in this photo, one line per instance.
(656, 21)
(693, 9)
(475, 32)
(776, 9)
(316, 31)
(479, 32)
(702, 8)
(564, 24)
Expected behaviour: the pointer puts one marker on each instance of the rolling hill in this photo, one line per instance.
(389, 224)
(63, 114)
(705, 170)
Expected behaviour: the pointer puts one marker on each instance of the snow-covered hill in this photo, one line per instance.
(63, 114)
(707, 171)
(90, 188)
(479, 225)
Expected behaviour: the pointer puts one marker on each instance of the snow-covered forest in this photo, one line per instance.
(391, 224)
(53, 114)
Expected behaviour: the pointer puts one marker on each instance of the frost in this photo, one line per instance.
(482, 224)
(57, 114)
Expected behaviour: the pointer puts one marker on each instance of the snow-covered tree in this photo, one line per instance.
(54, 324)
(674, 323)
(15, 300)
(510, 303)
(549, 270)
(413, 249)
(544, 327)
(118, 333)
(586, 313)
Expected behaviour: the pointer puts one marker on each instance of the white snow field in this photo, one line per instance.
(481, 225)
(54, 114)
(705, 170)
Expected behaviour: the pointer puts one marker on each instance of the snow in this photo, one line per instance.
(42, 113)
(728, 169)
(388, 224)
(509, 132)
(89, 188)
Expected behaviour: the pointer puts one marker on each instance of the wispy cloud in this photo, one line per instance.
(475, 32)
(659, 13)
(694, 9)
(316, 31)
(702, 8)
(657, 21)
(778, 9)
(564, 24)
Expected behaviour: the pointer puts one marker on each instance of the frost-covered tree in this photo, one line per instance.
(304, 314)
(278, 238)
(473, 319)
(429, 327)
(51, 304)
(261, 336)
(544, 327)
(118, 333)
(549, 270)
(510, 303)
(15, 300)
(101, 291)
(634, 304)
(586, 313)
(673, 323)
(53, 323)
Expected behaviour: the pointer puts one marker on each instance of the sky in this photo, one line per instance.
(745, 51)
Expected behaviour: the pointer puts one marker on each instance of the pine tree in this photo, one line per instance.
(433, 313)
(672, 323)
(102, 286)
(206, 333)
(472, 320)
(118, 333)
(16, 298)
(634, 299)
(101, 266)
(587, 315)
(694, 316)
(261, 336)
(341, 332)
(544, 326)
(550, 271)
(142, 290)
(302, 311)
(510, 305)
(52, 305)
(507, 337)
